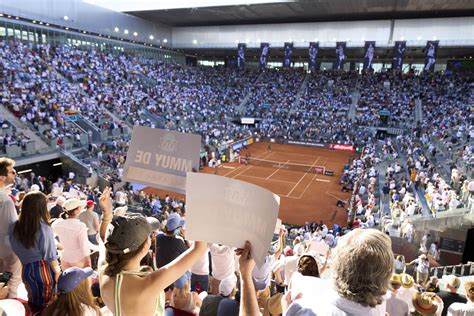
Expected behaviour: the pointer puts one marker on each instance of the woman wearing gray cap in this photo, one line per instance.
(127, 241)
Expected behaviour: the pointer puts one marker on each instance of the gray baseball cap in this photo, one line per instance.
(128, 232)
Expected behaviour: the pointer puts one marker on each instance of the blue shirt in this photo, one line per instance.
(43, 249)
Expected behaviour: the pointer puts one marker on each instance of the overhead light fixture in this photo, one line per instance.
(165, 40)
(1, 14)
(135, 34)
(47, 24)
(57, 164)
(41, 23)
(195, 42)
(116, 29)
(84, 32)
(34, 22)
(125, 31)
(151, 37)
(17, 18)
(66, 18)
(24, 171)
(67, 28)
(9, 16)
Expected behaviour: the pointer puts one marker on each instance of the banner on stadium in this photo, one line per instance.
(369, 54)
(236, 210)
(431, 55)
(288, 55)
(161, 158)
(340, 55)
(241, 55)
(399, 54)
(313, 55)
(265, 50)
(341, 147)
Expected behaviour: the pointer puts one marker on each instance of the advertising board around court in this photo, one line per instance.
(229, 212)
(161, 158)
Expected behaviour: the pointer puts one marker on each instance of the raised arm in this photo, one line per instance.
(248, 299)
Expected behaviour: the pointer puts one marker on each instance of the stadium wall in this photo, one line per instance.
(88, 17)
(450, 31)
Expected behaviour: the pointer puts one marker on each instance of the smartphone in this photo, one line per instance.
(5, 277)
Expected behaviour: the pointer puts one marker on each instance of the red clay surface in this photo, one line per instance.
(304, 196)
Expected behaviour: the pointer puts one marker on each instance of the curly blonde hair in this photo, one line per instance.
(363, 266)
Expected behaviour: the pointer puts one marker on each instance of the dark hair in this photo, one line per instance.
(66, 214)
(34, 210)
(116, 261)
(308, 266)
(4, 164)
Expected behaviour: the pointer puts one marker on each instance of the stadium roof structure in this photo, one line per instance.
(234, 12)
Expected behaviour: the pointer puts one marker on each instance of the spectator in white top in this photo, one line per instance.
(91, 219)
(223, 266)
(73, 235)
(200, 274)
(362, 267)
(395, 305)
(8, 260)
(464, 309)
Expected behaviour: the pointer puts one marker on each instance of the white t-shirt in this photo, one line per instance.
(222, 261)
(460, 309)
(201, 267)
(73, 236)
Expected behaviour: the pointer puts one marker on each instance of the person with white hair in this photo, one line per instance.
(56, 210)
(362, 267)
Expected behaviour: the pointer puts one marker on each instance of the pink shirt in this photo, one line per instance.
(73, 236)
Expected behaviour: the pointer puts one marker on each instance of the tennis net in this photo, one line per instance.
(282, 165)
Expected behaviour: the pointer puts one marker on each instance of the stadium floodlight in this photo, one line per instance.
(34, 21)
(66, 28)
(47, 24)
(165, 40)
(135, 34)
(66, 18)
(1, 14)
(125, 31)
(195, 42)
(151, 37)
(116, 29)
(41, 23)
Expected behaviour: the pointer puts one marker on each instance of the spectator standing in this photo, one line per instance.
(91, 220)
(422, 269)
(32, 240)
(450, 295)
(57, 210)
(466, 309)
(395, 305)
(127, 241)
(170, 244)
(8, 260)
(223, 265)
(74, 295)
(72, 235)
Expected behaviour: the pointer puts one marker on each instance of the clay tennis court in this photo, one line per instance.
(305, 196)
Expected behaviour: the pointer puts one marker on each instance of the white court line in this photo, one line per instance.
(323, 180)
(268, 178)
(314, 163)
(283, 181)
(228, 167)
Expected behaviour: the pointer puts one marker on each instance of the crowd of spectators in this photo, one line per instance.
(80, 251)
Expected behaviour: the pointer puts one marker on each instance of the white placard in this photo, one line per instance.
(277, 226)
(161, 158)
(229, 212)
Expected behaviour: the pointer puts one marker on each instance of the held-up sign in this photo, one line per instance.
(161, 158)
(229, 212)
